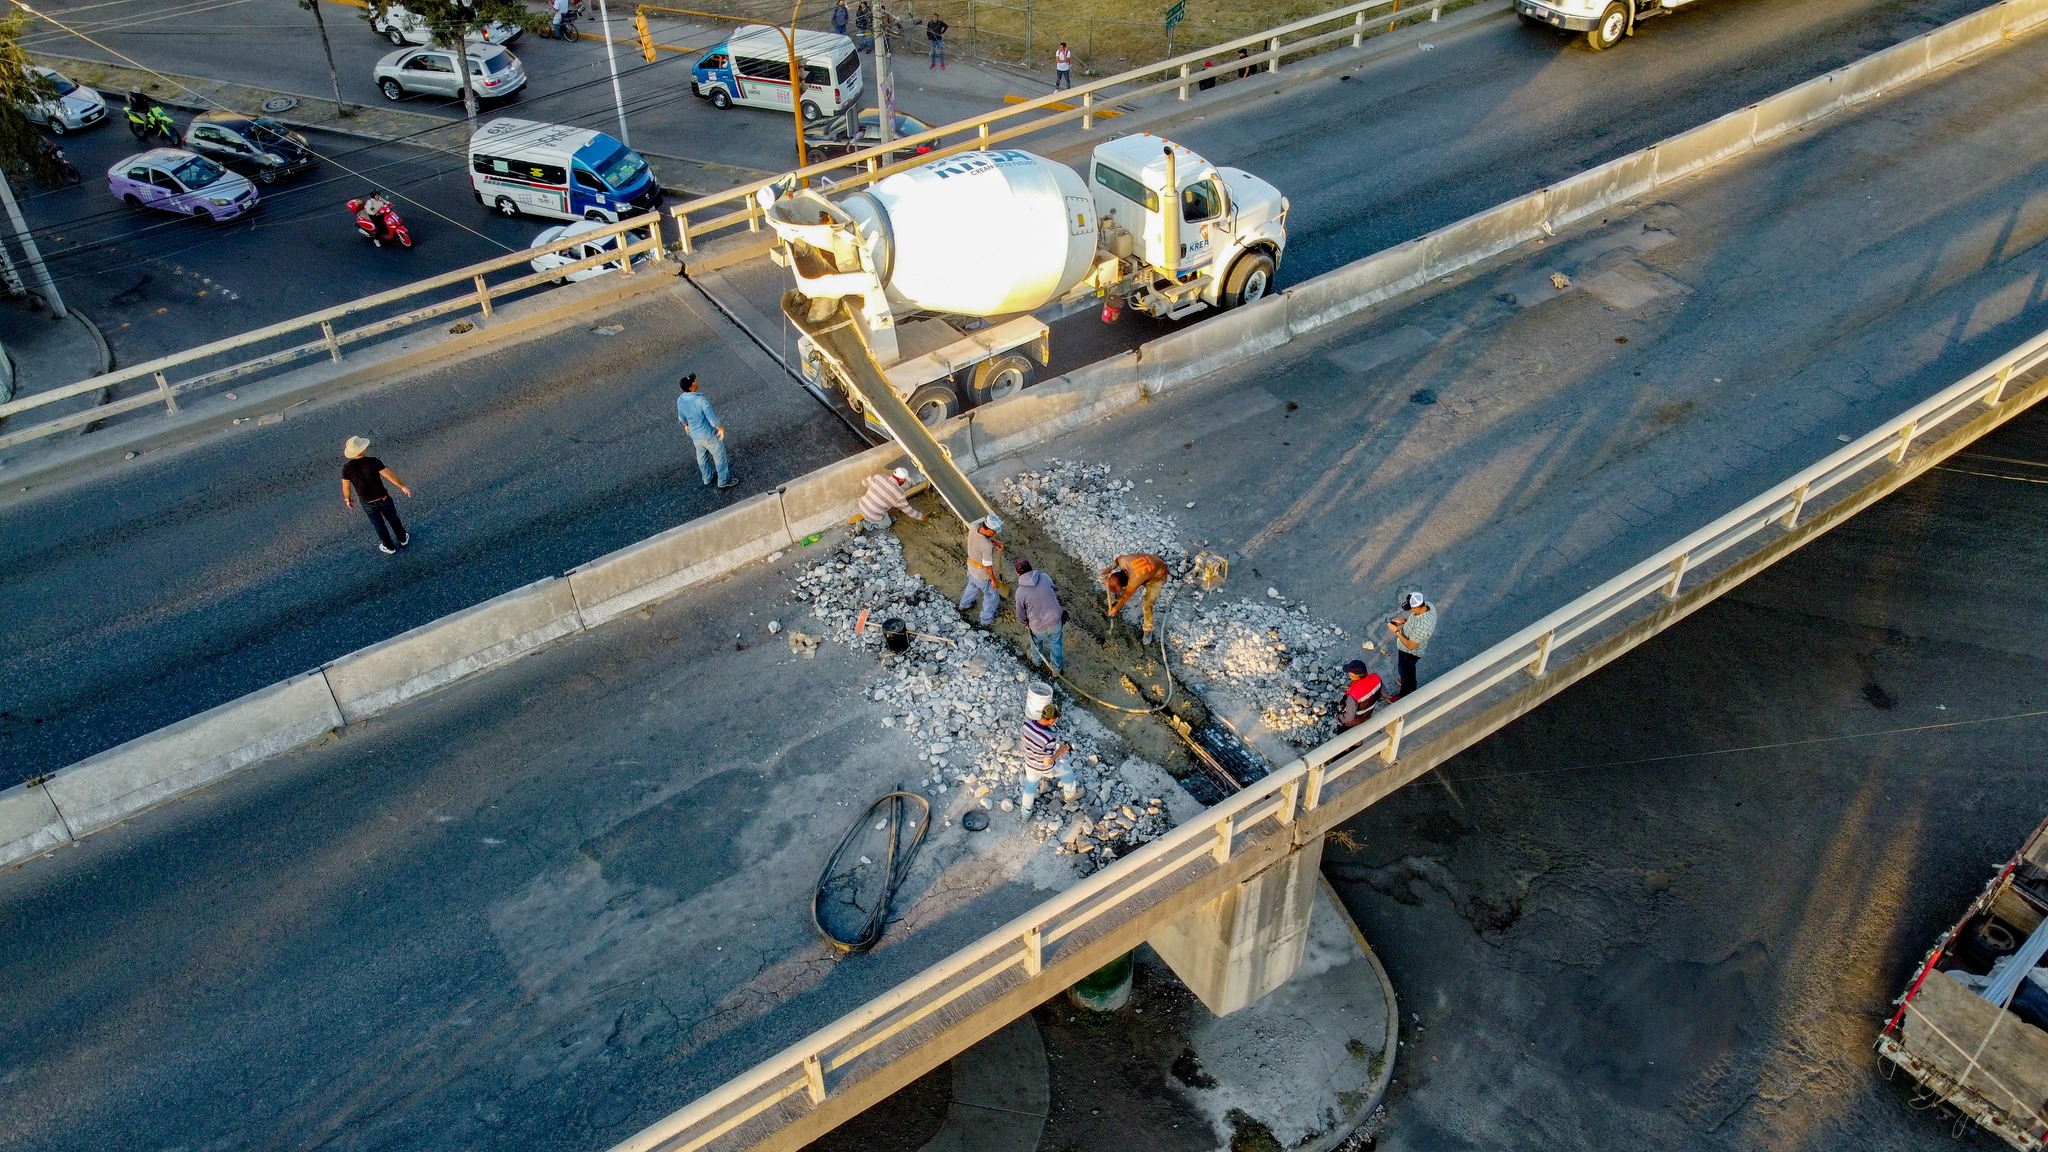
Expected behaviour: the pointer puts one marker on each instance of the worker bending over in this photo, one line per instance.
(884, 495)
(1045, 754)
(1361, 695)
(982, 550)
(1039, 611)
(1127, 574)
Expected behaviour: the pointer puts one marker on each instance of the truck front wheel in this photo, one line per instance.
(1612, 27)
(1001, 376)
(934, 404)
(1251, 278)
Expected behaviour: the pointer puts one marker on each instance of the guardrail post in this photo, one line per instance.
(1791, 519)
(1290, 796)
(333, 345)
(1034, 951)
(1541, 664)
(483, 293)
(1087, 117)
(658, 251)
(1905, 441)
(1273, 46)
(1226, 828)
(1184, 76)
(625, 248)
(683, 227)
(1393, 748)
(1358, 26)
(814, 1078)
(163, 388)
(753, 214)
(1312, 790)
(1677, 574)
(984, 134)
(1996, 395)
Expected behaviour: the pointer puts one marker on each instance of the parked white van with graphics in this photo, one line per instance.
(752, 69)
(521, 166)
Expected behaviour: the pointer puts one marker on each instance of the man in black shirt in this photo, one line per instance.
(363, 478)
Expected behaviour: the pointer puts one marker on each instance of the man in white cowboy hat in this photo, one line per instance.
(885, 495)
(362, 478)
(1412, 627)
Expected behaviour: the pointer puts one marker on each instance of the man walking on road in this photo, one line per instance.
(982, 550)
(1125, 575)
(707, 433)
(362, 478)
(1062, 67)
(864, 26)
(885, 495)
(935, 35)
(839, 18)
(1039, 611)
(1412, 631)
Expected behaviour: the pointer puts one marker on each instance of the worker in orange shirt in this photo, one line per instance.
(1126, 575)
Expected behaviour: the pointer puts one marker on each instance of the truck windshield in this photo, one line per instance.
(622, 169)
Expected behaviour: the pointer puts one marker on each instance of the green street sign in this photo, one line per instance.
(1176, 14)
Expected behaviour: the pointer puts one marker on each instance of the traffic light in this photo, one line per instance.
(646, 36)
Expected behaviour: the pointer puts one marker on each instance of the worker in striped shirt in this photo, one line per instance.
(1045, 754)
(884, 495)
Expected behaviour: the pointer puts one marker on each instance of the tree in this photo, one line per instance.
(451, 22)
(333, 77)
(22, 147)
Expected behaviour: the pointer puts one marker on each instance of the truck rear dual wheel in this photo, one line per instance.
(1001, 376)
(1612, 27)
(934, 404)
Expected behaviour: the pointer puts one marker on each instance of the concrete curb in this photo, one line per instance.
(175, 760)
(1349, 1124)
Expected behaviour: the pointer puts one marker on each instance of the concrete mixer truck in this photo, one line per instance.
(958, 265)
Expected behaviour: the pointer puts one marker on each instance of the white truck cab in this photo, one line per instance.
(1226, 238)
(1604, 22)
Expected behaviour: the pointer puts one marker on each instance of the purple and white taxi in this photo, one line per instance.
(174, 180)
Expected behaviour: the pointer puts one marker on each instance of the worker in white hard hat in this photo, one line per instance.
(983, 551)
(885, 495)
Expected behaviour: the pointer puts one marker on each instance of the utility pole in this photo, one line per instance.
(333, 77)
(28, 247)
(885, 84)
(611, 61)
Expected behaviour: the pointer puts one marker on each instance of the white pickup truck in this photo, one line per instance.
(958, 265)
(1604, 22)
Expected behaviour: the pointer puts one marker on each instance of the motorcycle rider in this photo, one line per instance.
(373, 213)
(145, 114)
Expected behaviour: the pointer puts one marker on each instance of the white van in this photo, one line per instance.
(521, 166)
(752, 68)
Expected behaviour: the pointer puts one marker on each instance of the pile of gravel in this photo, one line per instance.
(1270, 652)
(962, 705)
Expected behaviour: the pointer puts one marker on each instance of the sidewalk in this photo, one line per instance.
(49, 353)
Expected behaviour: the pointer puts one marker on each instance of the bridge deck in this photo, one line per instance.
(552, 905)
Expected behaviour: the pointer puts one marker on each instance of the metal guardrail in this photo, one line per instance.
(331, 339)
(1354, 23)
(1328, 782)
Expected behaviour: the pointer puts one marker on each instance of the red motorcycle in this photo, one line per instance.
(381, 223)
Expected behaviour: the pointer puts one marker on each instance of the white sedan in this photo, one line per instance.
(595, 246)
(62, 105)
(402, 27)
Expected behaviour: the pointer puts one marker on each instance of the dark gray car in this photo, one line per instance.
(252, 145)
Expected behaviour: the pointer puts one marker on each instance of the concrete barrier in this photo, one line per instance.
(503, 628)
(1796, 107)
(1596, 189)
(1978, 30)
(1718, 139)
(1882, 71)
(1059, 405)
(1355, 287)
(194, 752)
(825, 498)
(2021, 15)
(1196, 351)
(684, 555)
(29, 824)
(1483, 235)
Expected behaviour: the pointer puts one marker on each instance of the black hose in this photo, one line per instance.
(897, 861)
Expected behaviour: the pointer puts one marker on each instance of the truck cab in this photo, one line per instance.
(1604, 22)
(1222, 246)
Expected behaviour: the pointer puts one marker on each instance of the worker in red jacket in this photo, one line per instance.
(1361, 696)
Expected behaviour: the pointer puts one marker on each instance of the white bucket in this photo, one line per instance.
(1037, 695)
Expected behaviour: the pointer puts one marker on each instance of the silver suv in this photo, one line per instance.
(493, 72)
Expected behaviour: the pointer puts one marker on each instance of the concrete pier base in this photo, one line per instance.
(1246, 942)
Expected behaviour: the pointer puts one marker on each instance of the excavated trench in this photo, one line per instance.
(1103, 661)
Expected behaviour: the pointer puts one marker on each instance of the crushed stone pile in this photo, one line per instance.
(960, 698)
(1269, 651)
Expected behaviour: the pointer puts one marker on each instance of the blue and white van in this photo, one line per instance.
(752, 69)
(522, 166)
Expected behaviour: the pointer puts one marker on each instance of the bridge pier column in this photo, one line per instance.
(1246, 942)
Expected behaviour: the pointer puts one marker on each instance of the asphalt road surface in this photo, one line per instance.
(1516, 105)
(157, 284)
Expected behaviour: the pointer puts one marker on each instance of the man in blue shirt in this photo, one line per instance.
(694, 412)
